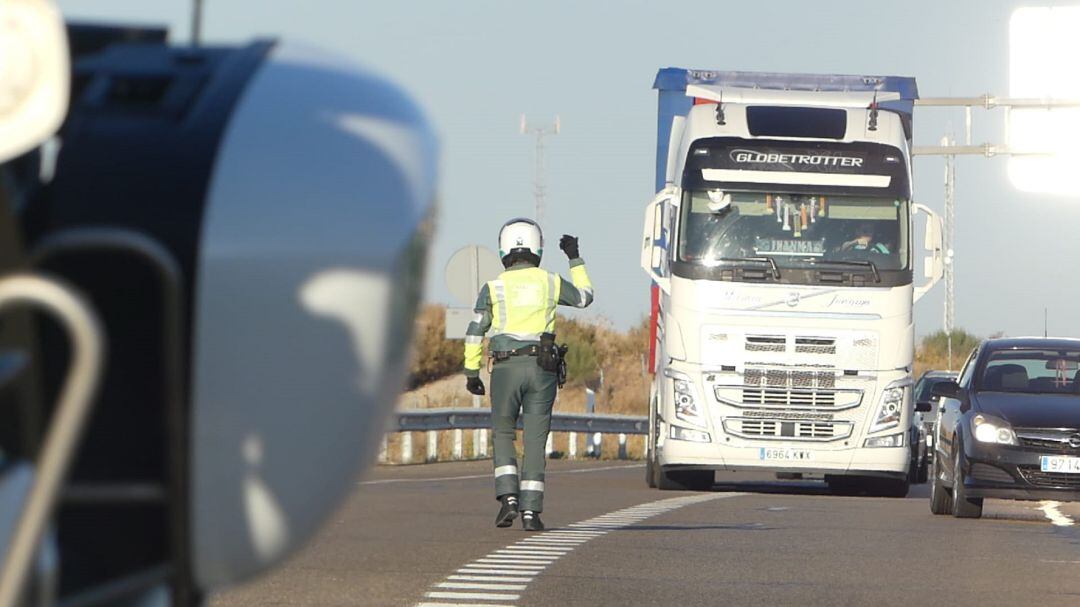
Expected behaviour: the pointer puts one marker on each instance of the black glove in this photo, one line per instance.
(475, 385)
(569, 245)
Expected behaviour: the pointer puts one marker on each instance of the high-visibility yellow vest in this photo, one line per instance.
(523, 303)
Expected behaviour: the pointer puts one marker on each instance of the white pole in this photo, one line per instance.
(571, 449)
(432, 446)
(383, 448)
(457, 444)
(477, 450)
(548, 446)
(406, 447)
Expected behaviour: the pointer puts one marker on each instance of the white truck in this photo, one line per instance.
(780, 247)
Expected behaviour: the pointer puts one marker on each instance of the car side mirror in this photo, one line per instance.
(946, 389)
(923, 406)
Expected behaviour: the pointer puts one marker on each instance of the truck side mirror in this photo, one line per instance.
(946, 389)
(934, 262)
(654, 242)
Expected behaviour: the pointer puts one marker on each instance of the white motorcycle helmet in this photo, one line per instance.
(522, 236)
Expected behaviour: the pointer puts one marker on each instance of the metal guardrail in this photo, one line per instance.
(421, 420)
(433, 421)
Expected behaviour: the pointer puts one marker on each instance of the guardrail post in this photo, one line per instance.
(406, 447)
(457, 444)
(548, 447)
(383, 448)
(432, 446)
(571, 448)
(622, 446)
(597, 443)
(479, 437)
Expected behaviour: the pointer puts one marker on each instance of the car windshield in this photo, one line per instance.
(1039, 371)
(793, 230)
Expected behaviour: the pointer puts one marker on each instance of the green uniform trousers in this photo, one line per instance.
(519, 387)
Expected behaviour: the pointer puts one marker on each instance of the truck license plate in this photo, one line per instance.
(784, 454)
(1060, 464)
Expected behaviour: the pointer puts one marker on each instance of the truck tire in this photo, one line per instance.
(940, 497)
(963, 506)
(683, 480)
(650, 471)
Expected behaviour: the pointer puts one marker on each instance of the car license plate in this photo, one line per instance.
(1059, 464)
(784, 454)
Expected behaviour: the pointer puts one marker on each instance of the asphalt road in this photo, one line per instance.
(422, 535)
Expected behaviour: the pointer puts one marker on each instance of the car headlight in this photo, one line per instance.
(891, 408)
(989, 429)
(687, 404)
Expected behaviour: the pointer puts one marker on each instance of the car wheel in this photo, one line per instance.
(963, 506)
(940, 498)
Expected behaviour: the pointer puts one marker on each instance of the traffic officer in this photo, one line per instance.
(519, 309)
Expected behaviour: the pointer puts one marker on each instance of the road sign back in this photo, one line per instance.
(468, 269)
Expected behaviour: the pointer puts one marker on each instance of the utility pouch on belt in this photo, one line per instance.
(552, 357)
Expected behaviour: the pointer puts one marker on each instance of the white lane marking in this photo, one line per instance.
(469, 477)
(488, 578)
(501, 569)
(481, 596)
(456, 604)
(1050, 509)
(474, 586)
(551, 553)
(490, 561)
(518, 558)
(533, 554)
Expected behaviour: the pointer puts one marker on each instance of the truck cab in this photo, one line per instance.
(781, 249)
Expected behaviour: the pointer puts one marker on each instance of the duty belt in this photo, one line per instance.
(506, 354)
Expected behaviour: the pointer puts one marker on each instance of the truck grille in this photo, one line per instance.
(779, 429)
(1037, 477)
(766, 343)
(779, 343)
(815, 345)
(789, 389)
(788, 397)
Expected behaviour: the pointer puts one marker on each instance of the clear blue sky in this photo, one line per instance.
(477, 65)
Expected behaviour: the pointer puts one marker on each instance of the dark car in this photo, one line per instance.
(922, 423)
(1009, 427)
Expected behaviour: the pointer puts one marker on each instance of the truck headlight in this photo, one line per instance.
(687, 403)
(891, 408)
(989, 429)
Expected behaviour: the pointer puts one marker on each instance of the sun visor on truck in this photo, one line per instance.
(896, 93)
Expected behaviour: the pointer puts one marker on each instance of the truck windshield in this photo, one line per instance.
(793, 230)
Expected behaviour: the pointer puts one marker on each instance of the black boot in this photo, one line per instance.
(507, 512)
(530, 521)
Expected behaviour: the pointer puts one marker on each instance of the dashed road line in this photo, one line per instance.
(506, 572)
(1050, 509)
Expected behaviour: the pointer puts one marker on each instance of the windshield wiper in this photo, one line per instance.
(843, 262)
(758, 259)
